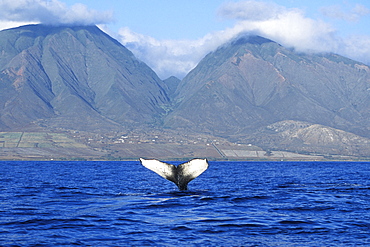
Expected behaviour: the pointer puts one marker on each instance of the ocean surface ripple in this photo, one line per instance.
(231, 204)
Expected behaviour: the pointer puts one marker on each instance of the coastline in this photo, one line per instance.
(74, 146)
(156, 152)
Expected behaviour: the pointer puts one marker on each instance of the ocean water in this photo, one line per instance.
(230, 204)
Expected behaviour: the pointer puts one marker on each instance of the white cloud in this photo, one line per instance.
(11, 24)
(250, 10)
(288, 26)
(352, 15)
(51, 12)
(171, 57)
(358, 48)
(291, 28)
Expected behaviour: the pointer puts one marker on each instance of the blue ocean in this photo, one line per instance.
(231, 204)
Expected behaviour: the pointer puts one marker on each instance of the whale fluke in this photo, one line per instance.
(180, 175)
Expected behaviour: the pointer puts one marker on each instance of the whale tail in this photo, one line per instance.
(180, 175)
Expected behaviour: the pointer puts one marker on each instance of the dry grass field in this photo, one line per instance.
(37, 139)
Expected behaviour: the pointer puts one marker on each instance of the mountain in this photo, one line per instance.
(172, 83)
(253, 91)
(253, 82)
(74, 77)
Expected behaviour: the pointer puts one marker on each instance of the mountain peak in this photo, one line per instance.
(44, 29)
(250, 39)
(62, 73)
(253, 81)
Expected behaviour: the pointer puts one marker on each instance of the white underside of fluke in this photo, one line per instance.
(180, 175)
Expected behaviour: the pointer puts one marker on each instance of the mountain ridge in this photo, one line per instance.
(78, 67)
(264, 79)
(79, 78)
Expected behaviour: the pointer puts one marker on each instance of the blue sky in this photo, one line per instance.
(192, 19)
(172, 36)
(163, 19)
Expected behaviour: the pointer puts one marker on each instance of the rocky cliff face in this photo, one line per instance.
(76, 77)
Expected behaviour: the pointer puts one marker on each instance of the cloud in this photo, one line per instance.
(171, 57)
(292, 28)
(11, 24)
(250, 10)
(51, 12)
(288, 26)
(357, 47)
(352, 15)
